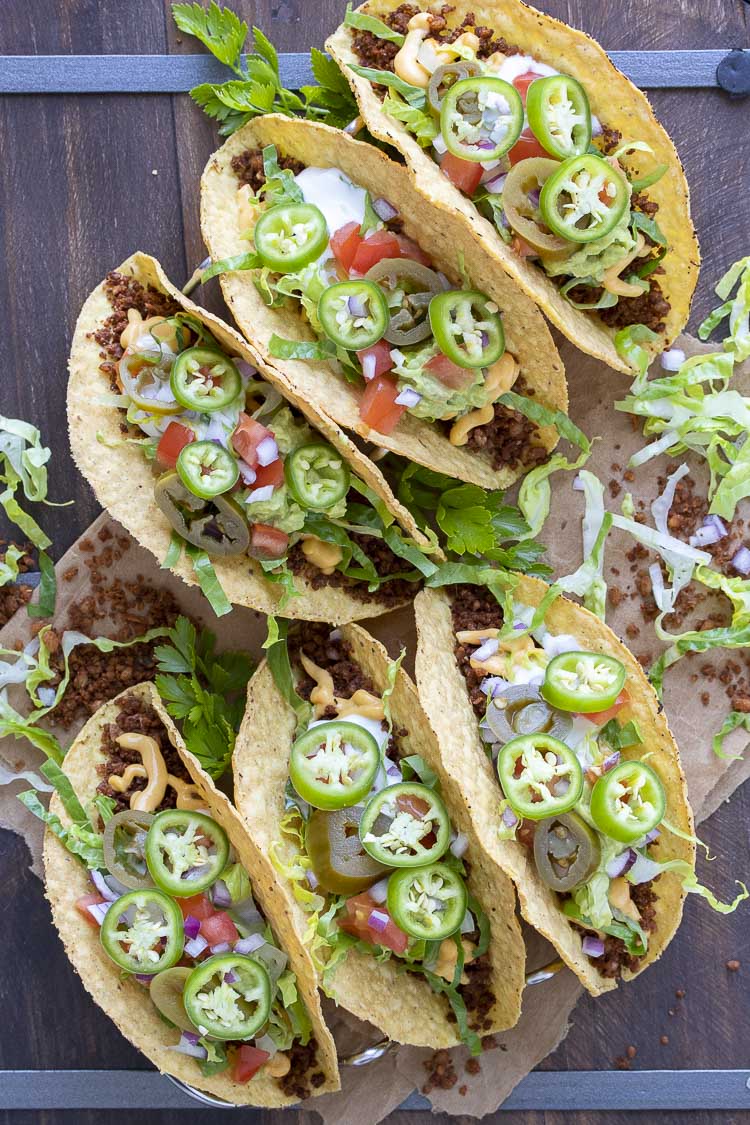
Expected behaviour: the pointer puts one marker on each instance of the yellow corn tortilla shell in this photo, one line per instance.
(615, 101)
(124, 1000)
(123, 480)
(442, 691)
(437, 230)
(401, 1004)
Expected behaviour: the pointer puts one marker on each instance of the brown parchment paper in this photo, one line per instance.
(370, 1093)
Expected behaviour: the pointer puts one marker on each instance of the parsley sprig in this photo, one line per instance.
(257, 88)
(204, 691)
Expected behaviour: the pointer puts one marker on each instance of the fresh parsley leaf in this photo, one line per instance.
(219, 29)
(465, 520)
(265, 48)
(327, 73)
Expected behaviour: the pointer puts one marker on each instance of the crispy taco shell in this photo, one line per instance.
(400, 1003)
(124, 1000)
(123, 480)
(615, 101)
(443, 695)
(436, 229)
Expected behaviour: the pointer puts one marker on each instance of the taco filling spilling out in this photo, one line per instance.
(387, 320)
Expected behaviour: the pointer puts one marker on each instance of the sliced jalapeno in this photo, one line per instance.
(143, 932)
(204, 379)
(566, 851)
(559, 115)
(520, 709)
(467, 327)
(317, 476)
(166, 991)
(405, 825)
(628, 801)
(584, 199)
(186, 851)
(290, 236)
(229, 996)
(428, 903)
(354, 314)
(207, 469)
(446, 76)
(521, 192)
(333, 765)
(217, 526)
(339, 861)
(124, 844)
(409, 287)
(146, 382)
(481, 118)
(540, 776)
(583, 681)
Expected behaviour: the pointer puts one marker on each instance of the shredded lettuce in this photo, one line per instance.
(733, 721)
(363, 22)
(737, 308)
(391, 674)
(206, 578)
(281, 670)
(422, 125)
(45, 604)
(535, 495)
(80, 837)
(543, 416)
(588, 580)
(414, 95)
(9, 564)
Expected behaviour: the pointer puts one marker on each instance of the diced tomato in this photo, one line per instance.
(449, 372)
(247, 436)
(358, 911)
(267, 542)
(345, 243)
(523, 81)
(378, 245)
(172, 441)
(218, 928)
(247, 1063)
(416, 806)
(465, 174)
(601, 717)
(526, 146)
(378, 407)
(269, 474)
(382, 354)
(197, 905)
(521, 247)
(82, 904)
(410, 249)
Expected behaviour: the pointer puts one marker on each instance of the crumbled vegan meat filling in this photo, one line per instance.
(135, 716)
(441, 1073)
(477, 994)
(391, 593)
(473, 608)
(298, 1080)
(333, 654)
(379, 54)
(248, 167)
(13, 596)
(508, 440)
(126, 293)
(650, 308)
(616, 957)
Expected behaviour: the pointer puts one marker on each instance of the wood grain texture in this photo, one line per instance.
(78, 195)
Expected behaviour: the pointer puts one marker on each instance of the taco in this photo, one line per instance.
(565, 759)
(554, 159)
(173, 919)
(387, 314)
(272, 503)
(339, 780)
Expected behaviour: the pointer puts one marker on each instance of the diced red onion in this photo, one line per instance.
(459, 845)
(468, 923)
(312, 879)
(611, 761)
(186, 1047)
(555, 644)
(230, 977)
(378, 920)
(220, 895)
(578, 484)
(353, 127)
(643, 870)
(247, 945)
(267, 451)
(486, 650)
(98, 911)
(493, 685)
(368, 366)
(711, 531)
(596, 126)
(101, 885)
(741, 561)
(651, 836)
(592, 946)
(439, 145)
(379, 891)
(192, 926)
(560, 787)
(672, 359)
(216, 433)
(408, 397)
(496, 183)
(384, 210)
(248, 475)
(259, 495)
(443, 281)
(510, 820)
(195, 946)
(144, 978)
(519, 625)
(356, 306)
(246, 370)
(621, 863)
(393, 772)
(221, 947)
(533, 197)
(191, 1036)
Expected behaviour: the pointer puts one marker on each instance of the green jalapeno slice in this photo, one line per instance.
(228, 995)
(204, 379)
(317, 476)
(405, 825)
(290, 236)
(333, 764)
(628, 801)
(339, 861)
(520, 709)
(166, 991)
(540, 776)
(186, 851)
(584, 199)
(124, 844)
(584, 682)
(559, 115)
(566, 851)
(354, 314)
(481, 118)
(217, 526)
(446, 76)
(467, 327)
(143, 932)
(207, 469)
(429, 902)
(409, 287)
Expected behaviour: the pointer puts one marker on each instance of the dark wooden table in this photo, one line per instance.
(85, 180)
